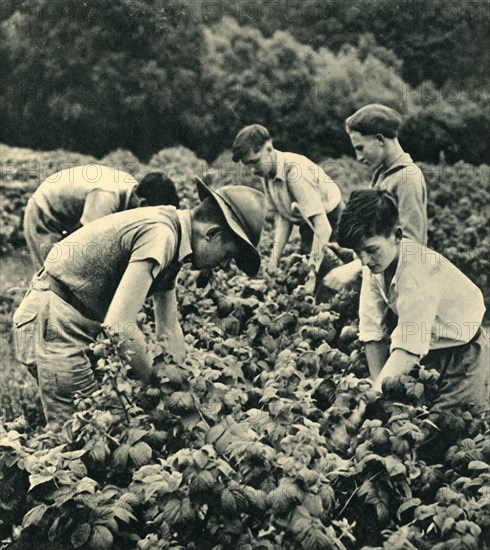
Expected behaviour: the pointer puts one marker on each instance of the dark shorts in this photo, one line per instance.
(464, 373)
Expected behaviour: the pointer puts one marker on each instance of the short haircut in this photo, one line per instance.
(369, 213)
(249, 139)
(375, 119)
(158, 189)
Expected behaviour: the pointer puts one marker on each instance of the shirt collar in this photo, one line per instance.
(280, 166)
(400, 162)
(185, 248)
(399, 267)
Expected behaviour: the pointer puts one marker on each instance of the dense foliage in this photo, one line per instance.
(251, 443)
(146, 74)
(458, 194)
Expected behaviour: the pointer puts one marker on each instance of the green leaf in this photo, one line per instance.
(35, 515)
(81, 535)
(101, 538)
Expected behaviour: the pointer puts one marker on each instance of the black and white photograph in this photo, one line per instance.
(244, 274)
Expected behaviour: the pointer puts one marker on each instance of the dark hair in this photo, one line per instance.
(158, 189)
(375, 119)
(369, 212)
(250, 138)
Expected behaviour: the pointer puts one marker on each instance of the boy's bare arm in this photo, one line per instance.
(377, 354)
(167, 323)
(281, 237)
(399, 362)
(343, 275)
(321, 236)
(121, 316)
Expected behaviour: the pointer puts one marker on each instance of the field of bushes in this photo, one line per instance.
(250, 444)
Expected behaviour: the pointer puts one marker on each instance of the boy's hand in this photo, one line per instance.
(341, 276)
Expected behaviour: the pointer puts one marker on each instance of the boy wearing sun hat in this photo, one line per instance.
(105, 279)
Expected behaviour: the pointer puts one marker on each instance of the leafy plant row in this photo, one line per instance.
(251, 443)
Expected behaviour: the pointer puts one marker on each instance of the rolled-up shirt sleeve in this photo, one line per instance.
(416, 305)
(302, 180)
(156, 243)
(372, 309)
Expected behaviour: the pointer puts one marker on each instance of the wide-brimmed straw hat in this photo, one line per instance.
(244, 211)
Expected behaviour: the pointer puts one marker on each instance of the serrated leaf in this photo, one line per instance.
(140, 454)
(102, 514)
(86, 485)
(123, 514)
(101, 538)
(134, 435)
(120, 455)
(202, 482)
(81, 535)
(99, 451)
(35, 515)
(128, 501)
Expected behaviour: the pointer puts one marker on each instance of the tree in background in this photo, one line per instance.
(142, 75)
(437, 40)
(103, 73)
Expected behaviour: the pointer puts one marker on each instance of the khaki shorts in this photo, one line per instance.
(39, 234)
(52, 339)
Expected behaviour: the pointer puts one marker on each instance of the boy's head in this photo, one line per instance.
(369, 225)
(155, 189)
(370, 129)
(253, 146)
(227, 225)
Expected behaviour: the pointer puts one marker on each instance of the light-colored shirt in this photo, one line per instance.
(78, 195)
(299, 180)
(436, 304)
(405, 180)
(92, 261)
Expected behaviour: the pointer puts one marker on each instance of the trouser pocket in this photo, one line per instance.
(26, 333)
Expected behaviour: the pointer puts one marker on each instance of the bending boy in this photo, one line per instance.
(439, 309)
(299, 190)
(121, 260)
(373, 131)
(71, 198)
